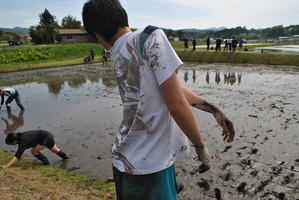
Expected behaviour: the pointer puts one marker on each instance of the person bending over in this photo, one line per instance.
(35, 139)
(12, 94)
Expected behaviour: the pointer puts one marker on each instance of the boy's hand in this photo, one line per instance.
(228, 132)
(205, 157)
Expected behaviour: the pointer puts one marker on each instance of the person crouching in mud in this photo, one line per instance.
(35, 139)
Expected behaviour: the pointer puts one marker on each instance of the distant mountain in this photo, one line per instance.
(216, 29)
(16, 29)
(198, 30)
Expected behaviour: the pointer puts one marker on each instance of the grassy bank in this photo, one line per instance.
(26, 180)
(42, 56)
(239, 57)
(33, 57)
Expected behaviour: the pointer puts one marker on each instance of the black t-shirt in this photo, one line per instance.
(31, 138)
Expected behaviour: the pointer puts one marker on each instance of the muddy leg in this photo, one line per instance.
(42, 158)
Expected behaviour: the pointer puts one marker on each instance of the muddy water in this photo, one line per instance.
(81, 107)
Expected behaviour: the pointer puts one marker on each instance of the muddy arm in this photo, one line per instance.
(197, 102)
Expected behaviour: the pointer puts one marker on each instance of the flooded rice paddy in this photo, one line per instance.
(81, 107)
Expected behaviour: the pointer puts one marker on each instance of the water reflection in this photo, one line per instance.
(217, 77)
(13, 122)
(186, 76)
(208, 78)
(239, 77)
(229, 77)
(56, 84)
(194, 75)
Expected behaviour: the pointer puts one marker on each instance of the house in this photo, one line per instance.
(73, 35)
(24, 38)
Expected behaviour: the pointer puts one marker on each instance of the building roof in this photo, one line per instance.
(71, 31)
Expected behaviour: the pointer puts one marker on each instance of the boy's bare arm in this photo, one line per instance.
(197, 102)
(180, 110)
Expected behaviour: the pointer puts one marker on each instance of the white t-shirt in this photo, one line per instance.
(148, 140)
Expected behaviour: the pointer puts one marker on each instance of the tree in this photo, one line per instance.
(45, 31)
(274, 32)
(70, 22)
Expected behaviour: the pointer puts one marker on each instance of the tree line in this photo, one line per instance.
(267, 33)
(46, 31)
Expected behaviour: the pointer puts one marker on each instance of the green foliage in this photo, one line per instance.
(270, 33)
(50, 52)
(70, 22)
(24, 55)
(238, 57)
(45, 31)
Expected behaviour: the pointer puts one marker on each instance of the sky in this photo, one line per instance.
(170, 14)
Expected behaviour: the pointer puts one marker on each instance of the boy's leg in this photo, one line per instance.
(36, 152)
(160, 185)
(59, 152)
(18, 100)
(8, 101)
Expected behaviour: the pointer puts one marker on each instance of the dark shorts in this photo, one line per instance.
(160, 185)
(47, 140)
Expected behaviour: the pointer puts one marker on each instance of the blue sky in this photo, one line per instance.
(173, 14)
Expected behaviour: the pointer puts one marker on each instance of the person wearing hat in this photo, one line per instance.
(35, 139)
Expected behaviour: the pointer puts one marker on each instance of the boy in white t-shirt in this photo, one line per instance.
(157, 115)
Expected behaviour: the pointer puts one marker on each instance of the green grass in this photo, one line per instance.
(239, 57)
(43, 56)
(27, 180)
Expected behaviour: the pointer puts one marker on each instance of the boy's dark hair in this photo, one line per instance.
(104, 17)
(11, 137)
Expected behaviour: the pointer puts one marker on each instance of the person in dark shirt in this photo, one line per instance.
(194, 44)
(35, 139)
(12, 94)
(234, 44)
(218, 44)
(92, 53)
(208, 43)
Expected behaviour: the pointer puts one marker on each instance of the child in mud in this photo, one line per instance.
(35, 139)
(12, 94)
(157, 114)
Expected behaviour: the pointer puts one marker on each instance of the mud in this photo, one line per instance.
(81, 107)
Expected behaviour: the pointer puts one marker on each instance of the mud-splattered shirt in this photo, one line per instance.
(148, 140)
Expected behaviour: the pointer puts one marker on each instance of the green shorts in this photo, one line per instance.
(156, 186)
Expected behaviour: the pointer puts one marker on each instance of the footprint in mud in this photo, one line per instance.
(217, 193)
(181, 187)
(287, 179)
(225, 165)
(276, 170)
(296, 162)
(227, 176)
(226, 148)
(263, 183)
(241, 187)
(204, 184)
(254, 173)
(245, 162)
(254, 151)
